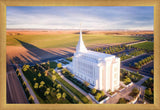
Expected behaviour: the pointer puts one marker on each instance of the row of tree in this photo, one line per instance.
(26, 89)
(111, 49)
(142, 62)
(136, 52)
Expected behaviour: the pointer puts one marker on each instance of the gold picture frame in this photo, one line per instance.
(5, 3)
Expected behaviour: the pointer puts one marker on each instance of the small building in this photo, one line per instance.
(101, 70)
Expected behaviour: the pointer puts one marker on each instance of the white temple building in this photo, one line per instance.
(101, 70)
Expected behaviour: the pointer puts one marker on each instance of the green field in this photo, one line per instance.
(145, 45)
(67, 40)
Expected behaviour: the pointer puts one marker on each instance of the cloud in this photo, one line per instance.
(101, 18)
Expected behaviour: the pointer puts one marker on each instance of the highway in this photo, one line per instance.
(15, 92)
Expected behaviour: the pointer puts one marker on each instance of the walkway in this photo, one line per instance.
(30, 89)
(79, 89)
(63, 85)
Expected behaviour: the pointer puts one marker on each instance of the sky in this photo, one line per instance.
(90, 18)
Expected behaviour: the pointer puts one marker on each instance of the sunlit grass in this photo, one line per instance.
(68, 40)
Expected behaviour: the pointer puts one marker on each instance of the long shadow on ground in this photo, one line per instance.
(39, 54)
(35, 50)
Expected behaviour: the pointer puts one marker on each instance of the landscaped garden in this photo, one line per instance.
(46, 90)
(83, 98)
(134, 93)
(99, 95)
(127, 76)
(149, 91)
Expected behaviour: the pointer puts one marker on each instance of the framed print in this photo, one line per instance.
(79, 54)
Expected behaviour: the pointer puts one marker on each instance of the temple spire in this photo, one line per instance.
(80, 46)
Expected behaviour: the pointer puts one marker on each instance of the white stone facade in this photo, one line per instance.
(101, 70)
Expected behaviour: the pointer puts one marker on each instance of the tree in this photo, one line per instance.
(34, 79)
(136, 65)
(53, 77)
(31, 98)
(93, 91)
(64, 95)
(53, 72)
(48, 89)
(36, 85)
(39, 74)
(46, 72)
(17, 70)
(135, 90)
(53, 89)
(127, 80)
(42, 82)
(58, 96)
(25, 67)
(19, 74)
(132, 76)
(102, 93)
(46, 93)
(122, 101)
(98, 95)
(59, 65)
(40, 86)
(58, 86)
(27, 89)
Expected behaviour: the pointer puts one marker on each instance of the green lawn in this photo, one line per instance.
(146, 45)
(83, 98)
(67, 40)
(32, 73)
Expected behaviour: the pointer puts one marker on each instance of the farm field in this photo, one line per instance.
(145, 45)
(67, 40)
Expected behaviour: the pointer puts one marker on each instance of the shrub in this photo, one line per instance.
(102, 93)
(59, 65)
(134, 92)
(93, 91)
(122, 101)
(98, 96)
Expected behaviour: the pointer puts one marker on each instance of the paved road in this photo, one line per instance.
(15, 92)
(30, 89)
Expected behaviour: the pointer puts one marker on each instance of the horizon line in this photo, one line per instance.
(82, 29)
